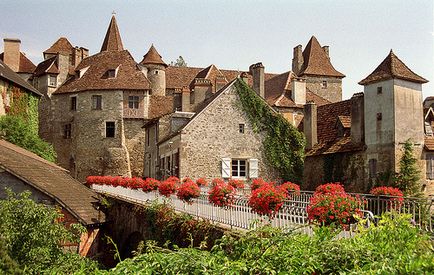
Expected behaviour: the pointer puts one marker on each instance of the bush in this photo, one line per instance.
(188, 190)
(221, 194)
(235, 183)
(290, 189)
(330, 188)
(256, 183)
(168, 187)
(202, 182)
(267, 200)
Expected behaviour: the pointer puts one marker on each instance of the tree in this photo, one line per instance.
(408, 177)
(179, 62)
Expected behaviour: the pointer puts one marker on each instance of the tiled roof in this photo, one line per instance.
(429, 143)
(316, 61)
(47, 66)
(128, 76)
(159, 106)
(7, 73)
(112, 40)
(152, 57)
(327, 116)
(25, 66)
(52, 180)
(340, 145)
(392, 67)
(62, 46)
(345, 121)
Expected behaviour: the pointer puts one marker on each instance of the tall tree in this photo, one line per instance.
(408, 178)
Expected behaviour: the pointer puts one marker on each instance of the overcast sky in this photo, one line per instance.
(233, 34)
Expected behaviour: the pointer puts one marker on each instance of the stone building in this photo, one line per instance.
(17, 60)
(359, 141)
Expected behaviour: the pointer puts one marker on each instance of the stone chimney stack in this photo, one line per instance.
(257, 71)
(11, 56)
(185, 94)
(310, 124)
(357, 118)
(298, 90)
(297, 60)
(326, 50)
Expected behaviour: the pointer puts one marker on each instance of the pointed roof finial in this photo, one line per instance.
(113, 13)
(153, 57)
(112, 40)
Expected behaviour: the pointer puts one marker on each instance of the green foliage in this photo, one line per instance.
(393, 247)
(15, 129)
(283, 144)
(408, 178)
(24, 105)
(32, 235)
(180, 62)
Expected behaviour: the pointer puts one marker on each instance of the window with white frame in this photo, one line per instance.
(430, 166)
(52, 81)
(133, 102)
(239, 168)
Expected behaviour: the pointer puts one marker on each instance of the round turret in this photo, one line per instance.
(154, 68)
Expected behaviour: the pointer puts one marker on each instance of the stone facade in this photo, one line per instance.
(329, 88)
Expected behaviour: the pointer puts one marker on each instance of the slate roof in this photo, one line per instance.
(53, 181)
(25, 66)
(316, 61)
(392, 67)
(153, 57)
(112, 40)
(62, 46)
(47, 66)
(7, 73)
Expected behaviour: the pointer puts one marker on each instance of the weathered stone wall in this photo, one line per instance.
(214, 135)
(150, 156)
(157, 76)
(135, 142)
(333, 91)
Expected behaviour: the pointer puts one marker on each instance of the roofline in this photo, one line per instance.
(30, 88)
(392, 77)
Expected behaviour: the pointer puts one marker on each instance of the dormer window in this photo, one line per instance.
(111, 73)
(52, 81)
(379, 90)
(324, 84)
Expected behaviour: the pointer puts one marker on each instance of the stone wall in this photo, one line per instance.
(333, 91)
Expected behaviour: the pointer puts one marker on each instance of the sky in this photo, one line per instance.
(233, 34)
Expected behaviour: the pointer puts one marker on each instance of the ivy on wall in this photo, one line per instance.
(24, 105)
(283, 143)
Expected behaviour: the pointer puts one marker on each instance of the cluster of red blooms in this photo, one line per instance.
(267, 199)
(256, 183)
(168, 187)
(237, 184)
(221, 194)
(188, 190)
(132, 183)
(201, 182)
(290, 188)
(396, 196)
(330, 204)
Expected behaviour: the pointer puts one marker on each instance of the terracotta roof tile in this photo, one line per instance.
(62, 46)
(7, 73)
(128, 77)
(152, 57)
(316, 61)
(339, 145)
(47, 66)
(25, 66)
(112, 40)
(345, 121)
(160, 106)
(392, 67)
(51, 180)
(429, 143)
(327, 117)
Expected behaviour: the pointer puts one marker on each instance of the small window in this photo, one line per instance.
(73, 103)
(133, 102)
(379, 90)
(324, 84)
(372, 168)
(241, 128)
(239, 168)
(96, 102)
(52, 81)
(156, 72)
(111, 73)
(110, 129)
(67, 131)
(379, 116)
(430, 167)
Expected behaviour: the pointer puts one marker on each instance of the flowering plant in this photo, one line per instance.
(290, 188)
(168, 187)
(396, 196)
(202, 182)
(221, 194)
(256, 183)
(236, 183)
(133, 183)
(267, 199)
(332, 205)
(150, 184)
(188, 190)
(217, 181)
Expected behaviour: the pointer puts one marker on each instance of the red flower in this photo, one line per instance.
(256, 183)
(217, 181)
(395, 196)
(290, 188)
(330, 188)
(202, 182)
(168, 187)
(236, 183)
(188, 190)
(267, 199)
(221, 194)
(150, 184)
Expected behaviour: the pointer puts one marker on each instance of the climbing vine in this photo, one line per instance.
(24, 105)
(283, 143)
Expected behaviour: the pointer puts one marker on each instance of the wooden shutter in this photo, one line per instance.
(226, 167)
(430, 167)
(253, 168)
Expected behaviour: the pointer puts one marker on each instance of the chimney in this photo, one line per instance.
(185, 94)
(357, 118)
(11, 55)
(298, 90)
(310, 124)
(202, 90)
(245, 77)
(257, 71)
(220, 81)
(326, 50)
(297, 60)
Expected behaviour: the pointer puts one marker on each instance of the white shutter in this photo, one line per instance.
(253, 168)
(226, 167)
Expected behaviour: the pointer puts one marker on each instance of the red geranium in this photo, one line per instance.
(188, 190)
(267, 200)
(134, 183)
(290, 188)
(168, 187)
(256, 183)
(330, 188)
(221, 194)
(217, 181)
(150, 184)
(235, 183)
(202, 182)
(396, 196)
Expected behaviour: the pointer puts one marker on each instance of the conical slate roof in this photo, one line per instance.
(316, 61)
(152, 57)
(112, 40)
(392, 67)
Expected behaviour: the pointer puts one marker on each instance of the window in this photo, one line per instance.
(156, 72)
(379, 90)
(111, 73)
(133, 102)
(52, 81)
(67, 131)
(372, 168)
(96, 102)
(73, 103)
(110, 129)
(379, 116)
(430, 167)
(241, 128)
(239, 168)
(324, 84)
